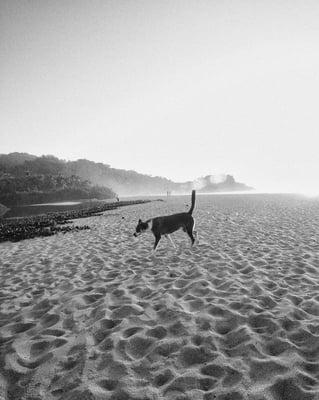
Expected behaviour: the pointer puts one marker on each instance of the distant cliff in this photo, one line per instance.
(220, 183)
(28, 173)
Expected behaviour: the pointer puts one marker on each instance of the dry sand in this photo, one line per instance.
(91, 315)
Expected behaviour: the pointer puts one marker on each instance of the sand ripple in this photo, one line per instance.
(91, 315)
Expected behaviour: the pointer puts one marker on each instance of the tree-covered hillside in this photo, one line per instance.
(43, 179)
(120, 181)
(46, 177)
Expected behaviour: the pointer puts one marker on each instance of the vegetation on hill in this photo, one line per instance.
(26, 179)
(41, 180)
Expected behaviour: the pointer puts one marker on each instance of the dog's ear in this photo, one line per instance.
(139, 221)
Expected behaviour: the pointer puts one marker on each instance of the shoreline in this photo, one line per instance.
(15, 229)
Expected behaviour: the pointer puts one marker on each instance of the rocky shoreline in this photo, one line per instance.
(16, 229)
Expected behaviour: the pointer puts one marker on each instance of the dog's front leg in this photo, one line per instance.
(157, 239)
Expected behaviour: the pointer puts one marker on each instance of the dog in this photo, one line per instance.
(165, 225)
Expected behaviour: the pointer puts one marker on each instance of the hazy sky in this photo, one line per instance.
(173, 88)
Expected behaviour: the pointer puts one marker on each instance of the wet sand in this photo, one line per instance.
(47, 223)
(92, 315)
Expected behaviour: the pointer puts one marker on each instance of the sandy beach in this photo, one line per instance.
(92, 315)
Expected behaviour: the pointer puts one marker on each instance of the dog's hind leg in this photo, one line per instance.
(172, 241)
(195, 233)
(190, 234)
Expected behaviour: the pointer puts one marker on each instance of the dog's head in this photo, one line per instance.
(140, 228)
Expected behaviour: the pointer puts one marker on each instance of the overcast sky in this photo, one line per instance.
(173, 88)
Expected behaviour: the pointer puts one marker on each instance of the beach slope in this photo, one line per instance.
(92, 315)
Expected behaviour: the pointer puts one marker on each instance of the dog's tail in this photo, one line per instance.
(193, 202)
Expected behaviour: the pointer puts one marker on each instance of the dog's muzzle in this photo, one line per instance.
(135, 234)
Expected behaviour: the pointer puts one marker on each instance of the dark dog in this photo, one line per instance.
(169, 224)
